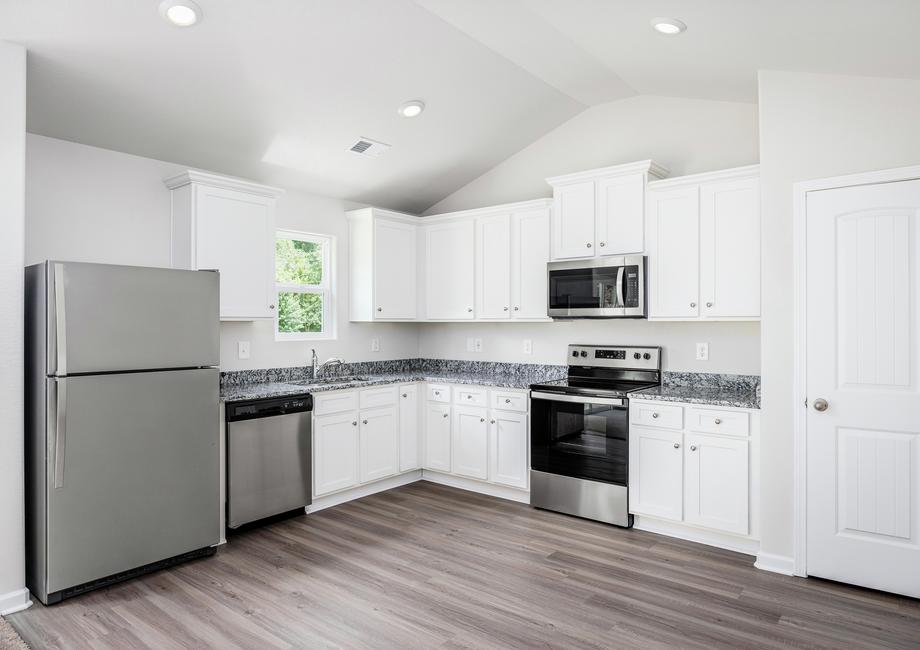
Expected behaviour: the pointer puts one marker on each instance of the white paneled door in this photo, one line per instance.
(863, 385)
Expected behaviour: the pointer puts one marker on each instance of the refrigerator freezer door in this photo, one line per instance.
(132, 471)
(107, 318)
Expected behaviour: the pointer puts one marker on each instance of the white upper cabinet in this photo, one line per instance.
(703, 241)
(450, 278)
(382, 263)
(493, 268)
(601, 211)
(229, 225)
(529, 255)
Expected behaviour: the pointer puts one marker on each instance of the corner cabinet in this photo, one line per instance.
(450, 284)
(601, 211)
(227, 224)
(382, 258)
(703, 241)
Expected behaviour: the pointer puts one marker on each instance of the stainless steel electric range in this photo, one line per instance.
(579, 432)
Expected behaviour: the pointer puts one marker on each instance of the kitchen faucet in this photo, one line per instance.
(318, 367)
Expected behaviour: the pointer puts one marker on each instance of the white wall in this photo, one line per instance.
(685, 135)
(89, 204)
(811, 126)
(12, 184)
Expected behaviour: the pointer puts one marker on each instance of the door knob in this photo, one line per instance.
(821, 405)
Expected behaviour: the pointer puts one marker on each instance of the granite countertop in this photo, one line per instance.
(737, 391)
(258, 390)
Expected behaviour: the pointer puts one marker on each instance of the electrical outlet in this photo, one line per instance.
(528, 346)
(477, 345)
(242, 349)
(375, 344)
(702, 352)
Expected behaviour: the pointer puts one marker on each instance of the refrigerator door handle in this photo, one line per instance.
(60, 321)
(60, 431)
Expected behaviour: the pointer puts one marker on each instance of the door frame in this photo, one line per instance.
(800, 397)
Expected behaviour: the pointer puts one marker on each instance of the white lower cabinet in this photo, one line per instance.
(708, 480)
(470, 442)
(335, 452)
(509, 449)
(378, 443)
(437, 436)
(410, 442)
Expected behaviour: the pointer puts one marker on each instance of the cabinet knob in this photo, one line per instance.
(469, 310)
(676, 445)
(588, 245)
(405, 394)
(507, 400)
(709, 304)
(355, 423)
(692, 447)
(655, 415)
(271, 306)
(506, 309)
(693, 304)
(602, 244)
(718, 421)
(445, 415)
(482, 419)
(379, 308)
(363, 421)
(517, 309)
(492, 421)
(469, 397)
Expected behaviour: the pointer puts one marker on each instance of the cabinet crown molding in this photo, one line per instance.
(224, 182)
(504, 208)
(390, 215)
(648, 166)
(748, 171)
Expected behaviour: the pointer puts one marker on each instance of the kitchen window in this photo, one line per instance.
(304, 283)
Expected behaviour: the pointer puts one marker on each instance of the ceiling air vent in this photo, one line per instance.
(368, 147)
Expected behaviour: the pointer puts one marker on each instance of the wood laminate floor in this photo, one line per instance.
(428, 566)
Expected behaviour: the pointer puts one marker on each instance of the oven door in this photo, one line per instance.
(580, 436)
(612, 287)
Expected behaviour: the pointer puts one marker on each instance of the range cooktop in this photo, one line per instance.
(608, 371)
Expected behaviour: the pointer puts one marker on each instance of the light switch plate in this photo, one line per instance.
(702, 352)
(242, 349)
(470, 344)
(375, 344)
(528, 346)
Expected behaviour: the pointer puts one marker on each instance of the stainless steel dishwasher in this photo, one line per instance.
(269, 459)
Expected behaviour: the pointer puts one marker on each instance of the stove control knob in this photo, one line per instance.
(575, 353)
(583, 353)
(646, 356)
(637, 356)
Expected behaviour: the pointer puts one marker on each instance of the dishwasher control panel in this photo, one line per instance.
(269, 407)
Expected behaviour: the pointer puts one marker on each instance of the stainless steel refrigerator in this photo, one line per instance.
(122, 422)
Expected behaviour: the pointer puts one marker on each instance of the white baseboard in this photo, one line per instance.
(321, 503)
(15, 601)
(500, 491)
(775, 563)
(699, 535)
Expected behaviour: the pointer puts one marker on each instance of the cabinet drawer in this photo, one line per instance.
(665, 416)
(374, 397)
(334, 402)
(508, 401)
(736, 423)
(438, 393)
(470, 396)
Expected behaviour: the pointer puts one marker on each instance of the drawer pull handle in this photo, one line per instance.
(718, 421)
(655, 415)
(692, 447)
(676, 445)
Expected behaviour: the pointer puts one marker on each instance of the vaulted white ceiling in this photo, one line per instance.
(277, 90)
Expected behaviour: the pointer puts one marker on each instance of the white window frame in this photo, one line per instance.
(326, 288)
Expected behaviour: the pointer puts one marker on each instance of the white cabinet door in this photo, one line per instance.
(335, 452)
(450, 278)
(379, 443)
(409, 441)
(508, 449)
(716, 482)
(573, 220)
(730, 249)
(673, 253)
(493, 268)
(470, 442)
(437, 437)
(236, 235)
(656, 473)
(394, 270)
(620, 220)
(529, 255)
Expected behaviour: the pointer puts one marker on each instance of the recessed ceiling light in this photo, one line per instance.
(181, 13)
(668, 26)
(412, 109)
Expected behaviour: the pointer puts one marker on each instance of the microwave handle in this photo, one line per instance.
(620, 273)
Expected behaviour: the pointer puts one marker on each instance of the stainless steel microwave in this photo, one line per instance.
(605, 287)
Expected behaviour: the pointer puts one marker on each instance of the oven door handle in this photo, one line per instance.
(578, 399)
